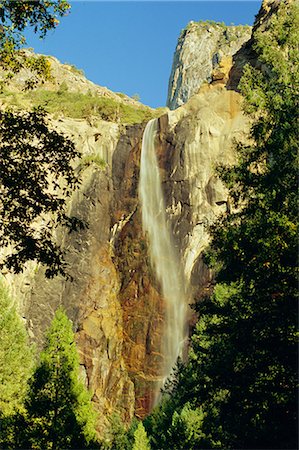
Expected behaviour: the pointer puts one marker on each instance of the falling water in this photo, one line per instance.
(164, 257)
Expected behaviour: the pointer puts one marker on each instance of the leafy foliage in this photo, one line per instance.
(175, 425)
(118, 436)
(15, 16)
(42, 15)
(242, 371)
(35, 160)
(92, 158)
(36, 177)
(16, 356)
(59, 413)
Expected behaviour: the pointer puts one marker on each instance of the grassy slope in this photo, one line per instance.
(78, 105)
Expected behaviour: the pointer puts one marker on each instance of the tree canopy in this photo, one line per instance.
(36, 161)
(141, 441)
(42, 15)
(36, 177)
(15, 17)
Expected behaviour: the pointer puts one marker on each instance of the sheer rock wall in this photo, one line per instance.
(204, 49)
(194, 139)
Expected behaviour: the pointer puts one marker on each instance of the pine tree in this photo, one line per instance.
(16, 356)
(141, 441)
(242, 369)
(59, 410)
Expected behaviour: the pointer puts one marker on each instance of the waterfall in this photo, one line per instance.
(164, 258)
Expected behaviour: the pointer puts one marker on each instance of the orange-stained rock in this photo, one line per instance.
(140, 298)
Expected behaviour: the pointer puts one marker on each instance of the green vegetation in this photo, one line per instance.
(48, 408)
(36, 177)
(141, 441)
(121, 94)
(118, 436)
(35, 160)
(59, 410)
(75, 69)
(15, 17)
(229, 33)
(16, 356)
(87, 160)
(212, 23)
(78, 105)
(238, 389)
(136, 97)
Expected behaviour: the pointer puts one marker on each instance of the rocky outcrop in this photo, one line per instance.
(67, 76)
(203, 54)
(193, 141)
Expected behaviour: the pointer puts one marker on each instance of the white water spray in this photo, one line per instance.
(164, 257)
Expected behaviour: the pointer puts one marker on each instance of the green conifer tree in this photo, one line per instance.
(59, 411)
(141, 441)
(16, 356)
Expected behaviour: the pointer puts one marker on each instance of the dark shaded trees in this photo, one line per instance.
(36, 162)
(36, 177)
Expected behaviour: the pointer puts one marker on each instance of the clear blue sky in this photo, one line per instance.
(128, 46)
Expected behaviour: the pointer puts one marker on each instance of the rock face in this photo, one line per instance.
(203, 52)
(113, 297)
(198, 137)
(142, 304)
(90, 297)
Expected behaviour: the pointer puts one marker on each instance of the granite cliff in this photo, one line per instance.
(113, 297)
(203, 53)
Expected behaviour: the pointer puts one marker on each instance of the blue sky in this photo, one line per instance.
(129, 46)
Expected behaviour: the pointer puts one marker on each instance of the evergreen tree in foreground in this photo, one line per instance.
(242, 371)
(59, 411)
(141, 441)
(16, 356)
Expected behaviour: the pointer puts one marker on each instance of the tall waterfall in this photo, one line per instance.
(164, 258)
